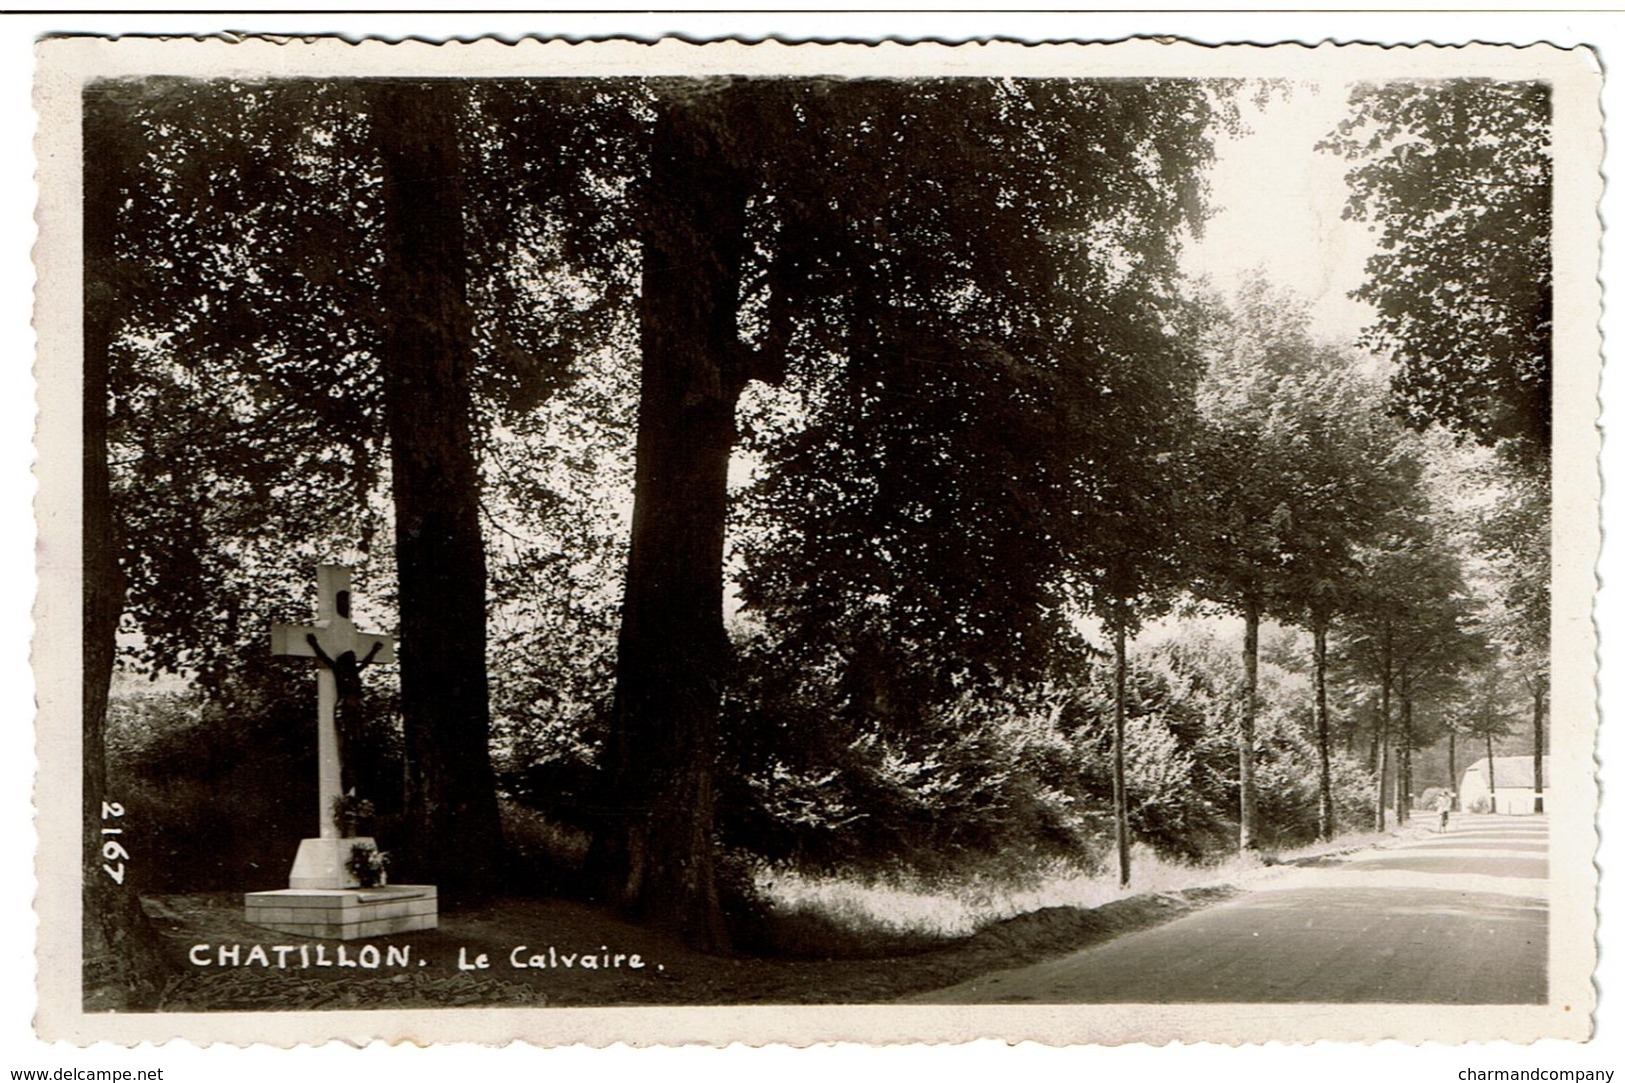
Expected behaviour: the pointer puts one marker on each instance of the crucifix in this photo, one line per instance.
(341, 652)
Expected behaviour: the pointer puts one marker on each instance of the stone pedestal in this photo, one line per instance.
(349, 913)
(321, 863)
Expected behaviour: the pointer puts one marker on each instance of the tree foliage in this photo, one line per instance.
(1296, 468)
(994, 303)
(247, 406)
(1457, 176)
(1296, 463)
(991, 378)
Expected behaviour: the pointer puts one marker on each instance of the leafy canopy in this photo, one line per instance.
(1457, 177)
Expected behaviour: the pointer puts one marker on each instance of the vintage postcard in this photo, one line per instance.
(699, 543)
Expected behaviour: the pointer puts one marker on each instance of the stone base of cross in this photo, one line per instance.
(323, 863)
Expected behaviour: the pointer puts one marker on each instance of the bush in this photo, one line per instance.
(219, 790)
(544, 855)
(994, 770)
(868, 774)
(1287, 774)
(545, 753)
(1429, 798)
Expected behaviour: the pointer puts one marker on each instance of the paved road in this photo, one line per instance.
(1458, 918)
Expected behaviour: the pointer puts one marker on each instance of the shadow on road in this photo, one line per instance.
(1457, 918)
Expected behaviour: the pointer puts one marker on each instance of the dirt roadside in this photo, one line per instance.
(543, 952)
(519, 951)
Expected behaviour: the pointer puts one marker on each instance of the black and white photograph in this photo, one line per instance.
(1090, 543)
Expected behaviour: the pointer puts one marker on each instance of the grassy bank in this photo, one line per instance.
(848, 915)
(839, 940)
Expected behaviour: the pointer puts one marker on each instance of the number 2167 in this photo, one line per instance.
(113, 852)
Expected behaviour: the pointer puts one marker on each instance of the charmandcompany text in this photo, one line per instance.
(1536, 1075)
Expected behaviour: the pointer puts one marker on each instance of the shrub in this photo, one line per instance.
(544, 855)
(220, 789)
(828, 772)
(993, 769)
(1287, 775)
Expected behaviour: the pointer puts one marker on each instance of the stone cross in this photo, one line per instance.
(331, 638)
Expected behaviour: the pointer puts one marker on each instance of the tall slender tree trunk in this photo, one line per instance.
(1407, 756)
(427, 355)
(1384, 788)
(1455, 797)
(1249, 725)
(1402, 780)
(1119, 779)
(1323, 733)
(1540, 706)
(1382, 731)
(658, 853)
(1489, 756)
(114, 924)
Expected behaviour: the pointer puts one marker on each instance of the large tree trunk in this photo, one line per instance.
(1119, 780)
(1489, 755)
(658, 854)
(1323, 734)
(1249, 725)
(115, 924)
(428, 339)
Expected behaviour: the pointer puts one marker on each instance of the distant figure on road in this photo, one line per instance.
(1442, 805)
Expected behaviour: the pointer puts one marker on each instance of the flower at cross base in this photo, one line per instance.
(368, 864)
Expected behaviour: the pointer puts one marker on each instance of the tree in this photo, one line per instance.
(114, 914)
(673, 649)
(1355, 471)
(990, 369)
(1515, 534)
(1485, 716)
(1411, 628)
(1458, 176)
(246, 421)
(1298, 469)
(294, 403)
(1452, 729)
(257, 378)
(1133, 505)
(1440, 651)
(1247, 487)
(426, 349)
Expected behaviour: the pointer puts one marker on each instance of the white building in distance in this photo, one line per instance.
(1514, 785)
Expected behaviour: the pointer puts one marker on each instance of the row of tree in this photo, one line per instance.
(395, 319)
